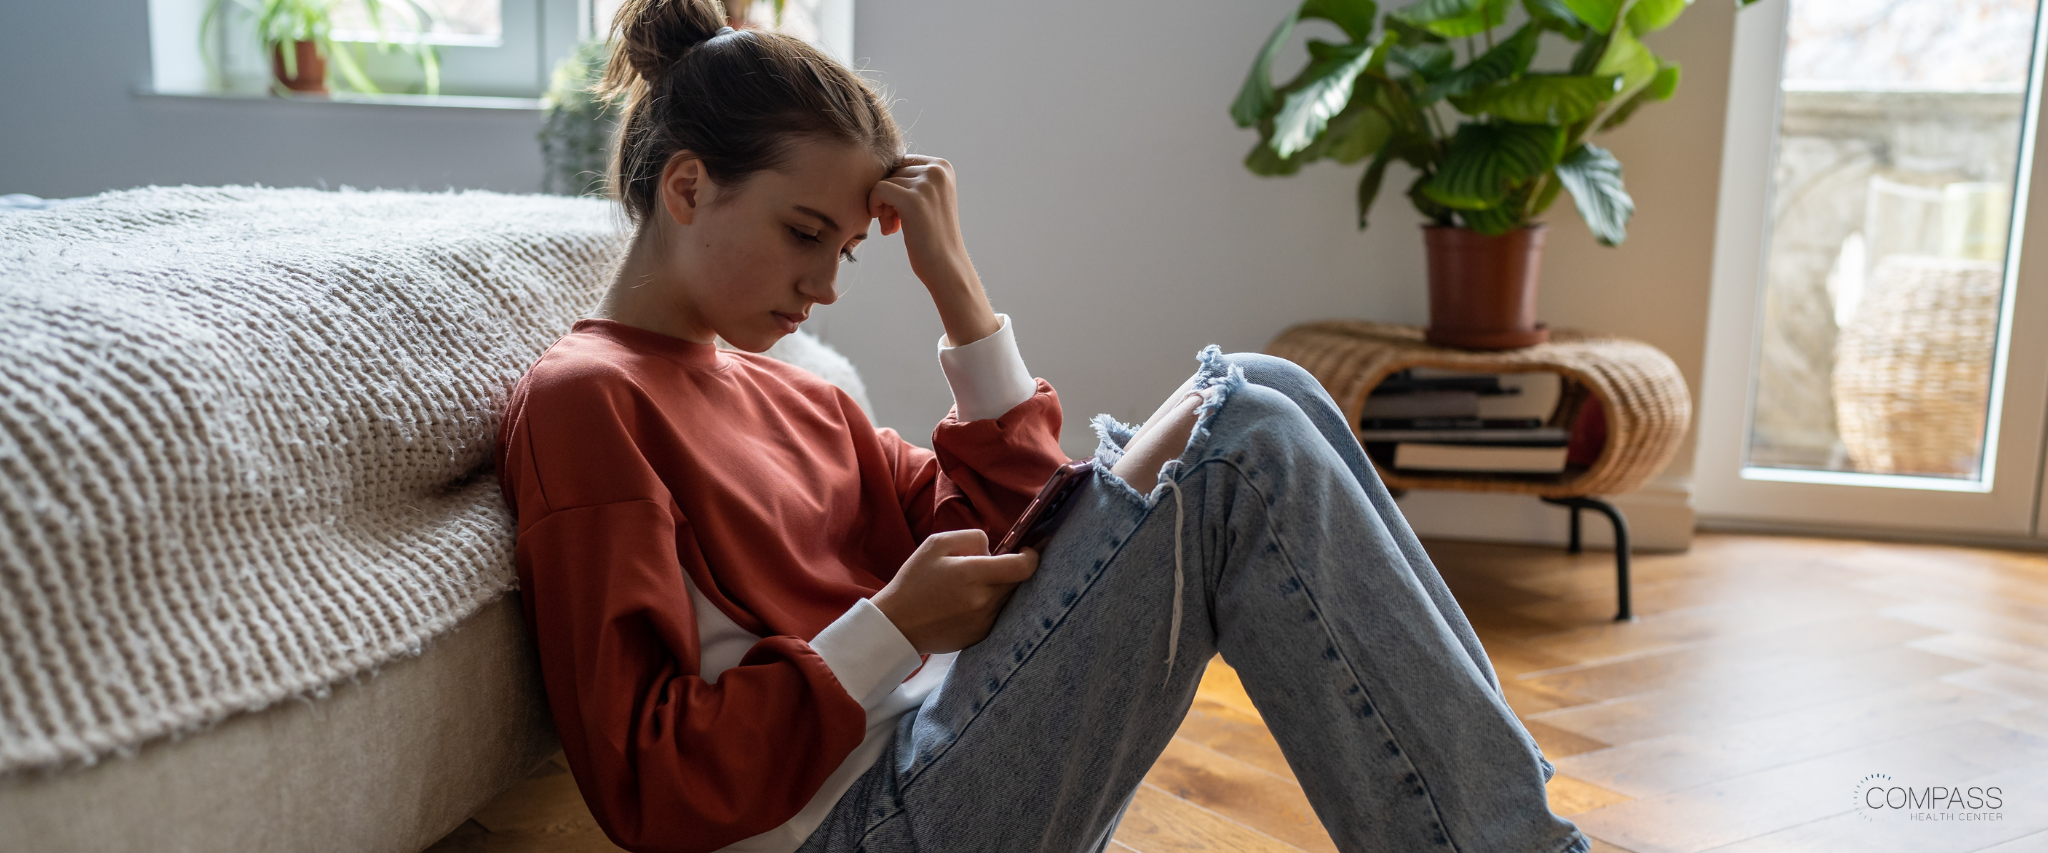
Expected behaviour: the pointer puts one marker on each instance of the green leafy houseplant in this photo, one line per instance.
(1446, 87)
(282, 26)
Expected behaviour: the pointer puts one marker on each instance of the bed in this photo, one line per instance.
(256, 580)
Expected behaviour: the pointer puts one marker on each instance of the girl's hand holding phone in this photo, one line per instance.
(948, 594)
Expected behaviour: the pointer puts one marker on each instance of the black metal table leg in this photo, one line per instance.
(1621, 549)
(1575, 547)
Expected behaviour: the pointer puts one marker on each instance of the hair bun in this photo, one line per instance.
(734, 106)
(651, 36)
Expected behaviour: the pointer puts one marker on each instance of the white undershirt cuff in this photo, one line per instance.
(867, 653)
(988, 376)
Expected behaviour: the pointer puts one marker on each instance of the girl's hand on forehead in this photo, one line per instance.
(919, 200)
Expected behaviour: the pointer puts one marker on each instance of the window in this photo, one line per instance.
(825, 23)
(491, 48)
(1874, 358)
(470, 23)
(1897, 155)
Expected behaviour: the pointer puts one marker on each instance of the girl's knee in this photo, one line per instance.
(1265, 409)
(1270, 393)
(1270, 370)
(1280, 375)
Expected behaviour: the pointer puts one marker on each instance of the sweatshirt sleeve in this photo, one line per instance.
(666, 759)
(992, 453)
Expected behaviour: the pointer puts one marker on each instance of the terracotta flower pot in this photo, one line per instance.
(1482, 290)
(312, 76)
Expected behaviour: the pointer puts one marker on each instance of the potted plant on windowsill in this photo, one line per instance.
(1446, 87)
(297, 38)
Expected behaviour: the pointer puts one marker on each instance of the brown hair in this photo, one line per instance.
(734, 100)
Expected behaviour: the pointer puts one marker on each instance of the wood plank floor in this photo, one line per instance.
(1765, 677)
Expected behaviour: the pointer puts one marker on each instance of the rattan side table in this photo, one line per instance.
(1641, 393)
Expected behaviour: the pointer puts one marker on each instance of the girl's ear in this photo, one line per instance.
(685, 186)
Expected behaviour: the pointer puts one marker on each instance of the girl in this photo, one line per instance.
(766, 625)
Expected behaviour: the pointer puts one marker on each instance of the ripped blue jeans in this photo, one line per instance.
(1294, 563)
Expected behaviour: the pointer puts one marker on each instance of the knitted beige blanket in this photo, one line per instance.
(245, 441)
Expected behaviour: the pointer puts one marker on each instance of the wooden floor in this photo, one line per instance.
(1766, 677)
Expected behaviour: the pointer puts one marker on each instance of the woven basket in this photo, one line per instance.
(1913, 368)
(1641, 393)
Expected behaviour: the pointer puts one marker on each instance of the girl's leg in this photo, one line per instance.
(1288, 378)
(1040, 734)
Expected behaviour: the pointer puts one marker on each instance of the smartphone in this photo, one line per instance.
(1036, 523)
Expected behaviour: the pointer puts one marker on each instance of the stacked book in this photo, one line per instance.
(1428, 419)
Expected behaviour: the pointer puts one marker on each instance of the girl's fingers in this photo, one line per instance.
(1017, 568)
(1005, 570)
(905, 180)
(896, 198)
(891, 193)
(884, 204)
(970, 542)
(914, 188)
(912, 192)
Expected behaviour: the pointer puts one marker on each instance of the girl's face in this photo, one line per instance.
(748, 262)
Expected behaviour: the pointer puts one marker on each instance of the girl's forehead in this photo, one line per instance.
(832, 178)
(819, 160)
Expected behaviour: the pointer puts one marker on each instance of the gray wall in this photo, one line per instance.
(1101, 191)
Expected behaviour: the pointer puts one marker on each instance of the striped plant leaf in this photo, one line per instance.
(1487, 161)
(1593, 177)
(1543, 98)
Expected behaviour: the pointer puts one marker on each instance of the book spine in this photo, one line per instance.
(1449, 423)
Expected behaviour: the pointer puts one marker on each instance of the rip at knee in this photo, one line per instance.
(1179, 437)
(1221, 376)
(1176, 442)
(1111, 436)
(1164, 439)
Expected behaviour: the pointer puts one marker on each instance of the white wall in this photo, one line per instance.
(1103, 200)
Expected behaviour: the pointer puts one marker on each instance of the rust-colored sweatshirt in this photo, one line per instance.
(671, 496)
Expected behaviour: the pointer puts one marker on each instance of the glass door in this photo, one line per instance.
(1876, 349)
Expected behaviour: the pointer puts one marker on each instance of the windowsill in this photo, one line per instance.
(461, 102)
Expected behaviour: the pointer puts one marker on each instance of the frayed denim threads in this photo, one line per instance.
(1214, 380)
(1219, 378)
